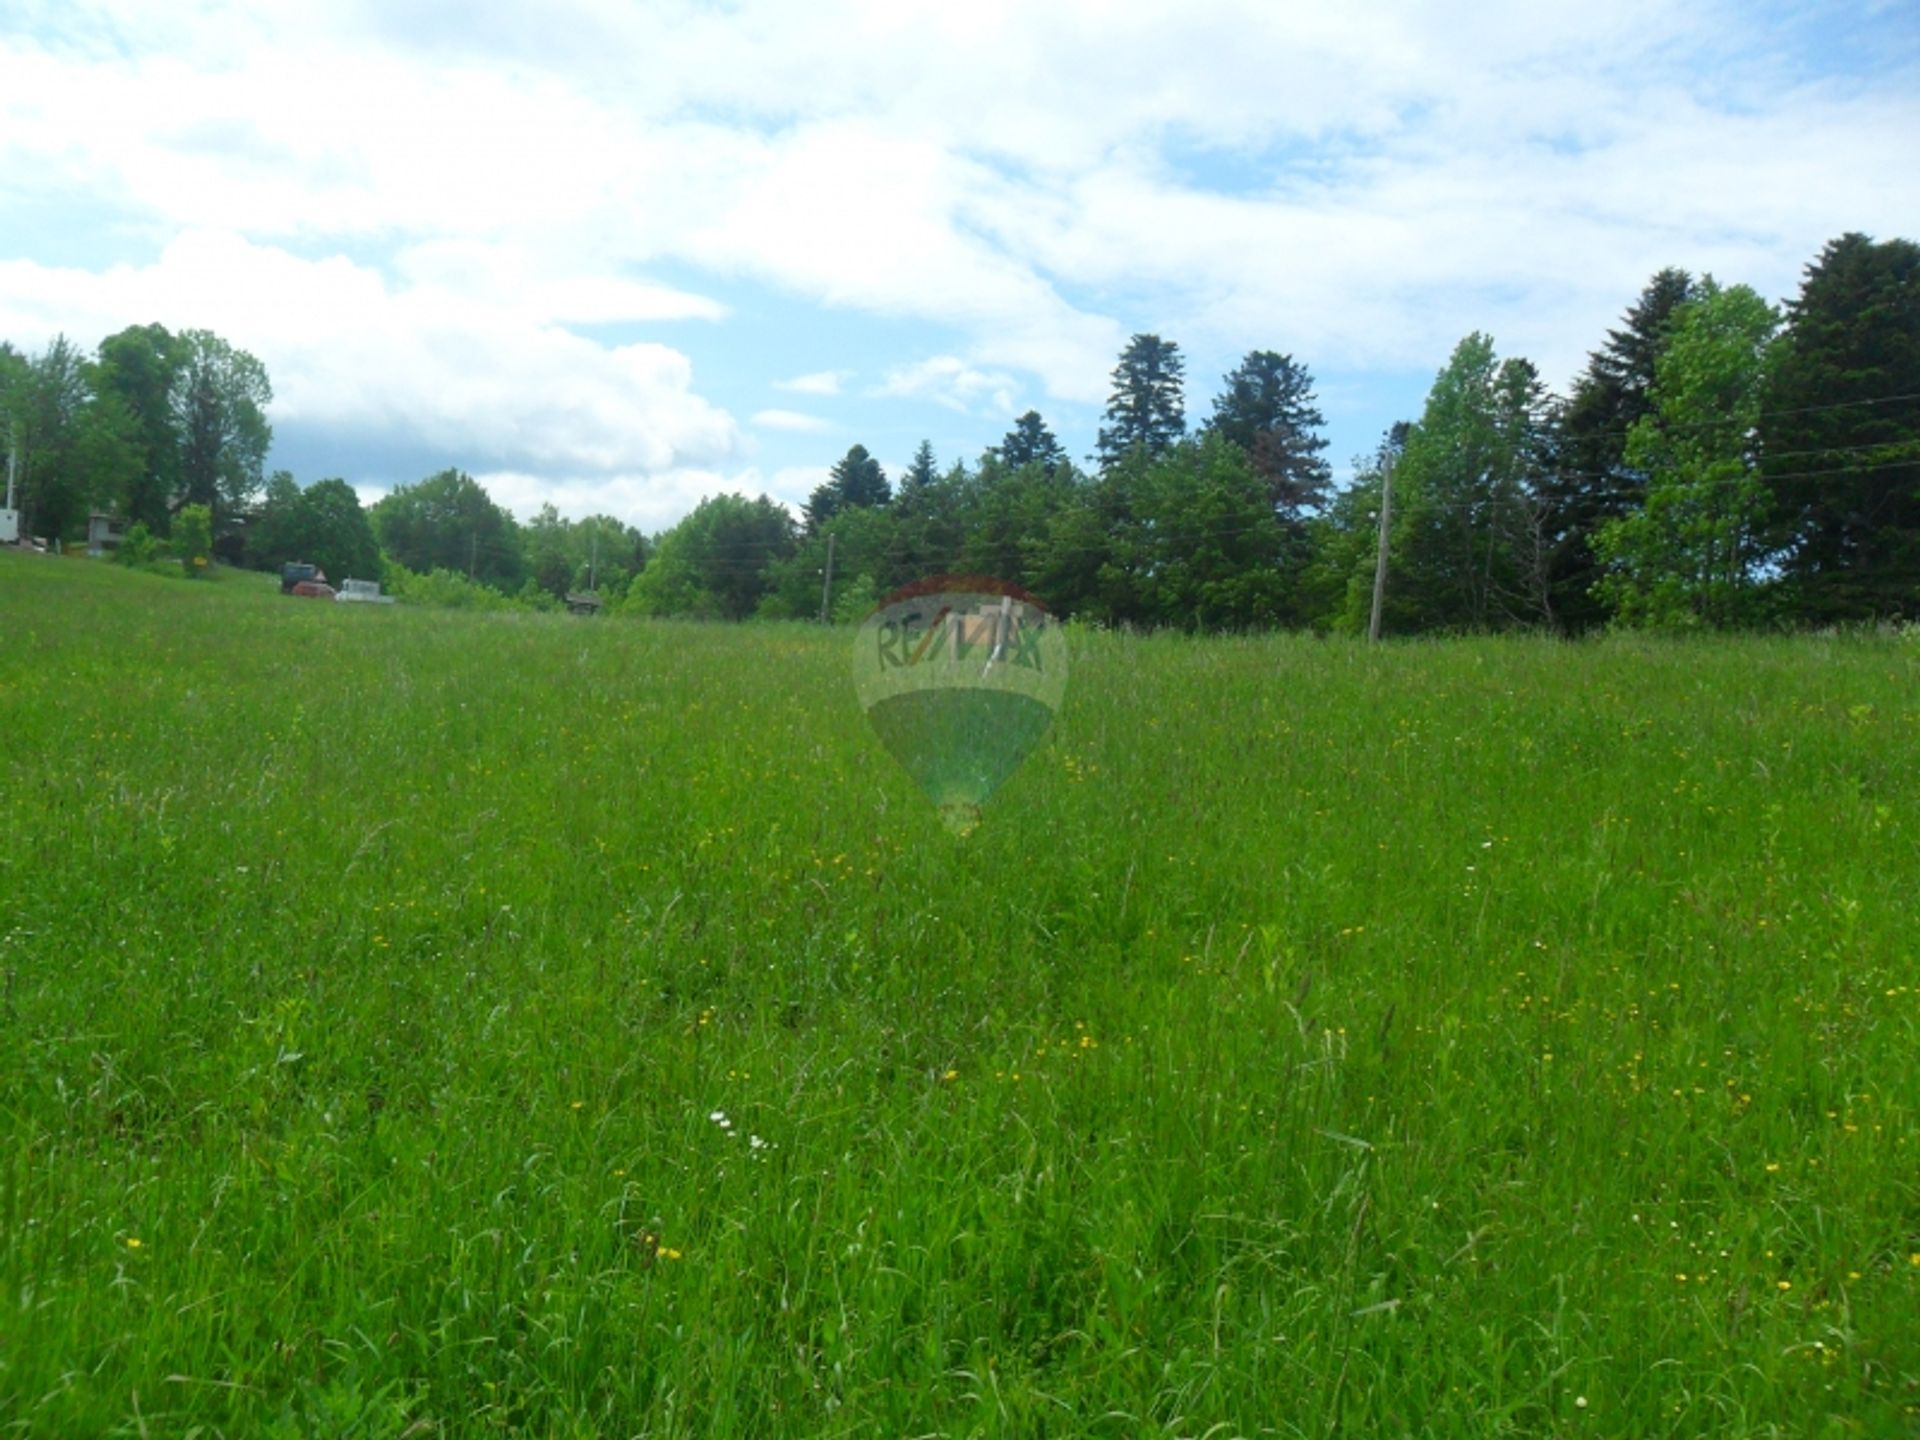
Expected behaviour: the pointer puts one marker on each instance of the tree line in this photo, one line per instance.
(1720, 462)
(168, 433)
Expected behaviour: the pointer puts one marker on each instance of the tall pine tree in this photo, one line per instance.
(1841, 435)
(1030, 442)
(1268, 410)
(1147, 409)
(1592, 483)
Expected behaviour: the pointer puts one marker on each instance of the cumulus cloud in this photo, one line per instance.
(438, 364)
(425, 218)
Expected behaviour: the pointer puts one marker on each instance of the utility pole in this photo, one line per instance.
(10, 527)
(593, 561)
(1380, 565)
(473, 553)
(826, 585)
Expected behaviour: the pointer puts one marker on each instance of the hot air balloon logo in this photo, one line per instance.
(960, 676)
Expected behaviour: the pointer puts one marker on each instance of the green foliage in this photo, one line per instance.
(855, 603)
(1268, 410)
(718, 563)
(1688, 556)
(598, 553)
(866, 559)
(1467, 544)
(1841, 435)
(140, 366)
(1030, 442)
(443, 589)
(220, 397)
(1147, 408)
(1434, 1007)
(856, 481)
(138, 548)
(920, 473)
(1591, 482)
(46, 404)
(322, 525)
(448, 522)
(1207, 545)
(193, 539)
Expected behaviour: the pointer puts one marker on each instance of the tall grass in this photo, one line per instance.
(415, 1023)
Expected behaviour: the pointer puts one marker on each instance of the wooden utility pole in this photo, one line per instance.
(826, 585)
(1380, 564)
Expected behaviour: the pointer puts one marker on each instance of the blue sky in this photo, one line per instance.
(618, 256)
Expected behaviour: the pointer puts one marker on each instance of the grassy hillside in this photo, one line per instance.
(425, 1024)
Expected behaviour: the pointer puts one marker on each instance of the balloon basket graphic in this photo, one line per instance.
(960, 676)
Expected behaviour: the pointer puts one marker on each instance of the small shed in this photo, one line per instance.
(583, 602)
(104, 532)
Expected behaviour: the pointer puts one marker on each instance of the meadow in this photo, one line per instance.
(431, 1024)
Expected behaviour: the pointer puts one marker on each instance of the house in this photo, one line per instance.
(104, 533)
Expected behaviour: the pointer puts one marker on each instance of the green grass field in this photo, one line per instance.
(440, 1025)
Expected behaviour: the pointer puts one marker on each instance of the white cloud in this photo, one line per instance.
(650, 501)
(1358, 185)
(950, 381)
(422, 362)
(819, 382)
(790, 420)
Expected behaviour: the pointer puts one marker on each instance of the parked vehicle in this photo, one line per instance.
(314, 590)
(365, 592)
(297, 572)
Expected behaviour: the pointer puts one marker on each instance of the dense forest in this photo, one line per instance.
(1719, 463)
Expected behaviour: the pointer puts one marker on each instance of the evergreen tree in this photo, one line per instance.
(1268, 410)
(1208, 546)
(1841, 434)
(1030, 442)
(856, 481)
(918, 476)
(860, 480)
(1147, 409)
(1591, 482)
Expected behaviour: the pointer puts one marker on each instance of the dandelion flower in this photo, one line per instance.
(133, 1243)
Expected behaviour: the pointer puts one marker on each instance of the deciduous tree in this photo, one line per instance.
(220, 401)
(1687, 556)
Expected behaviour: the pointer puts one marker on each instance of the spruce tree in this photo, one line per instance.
(1841, 435)
(1147, 409)
(1592, 483)
(1268, 410)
